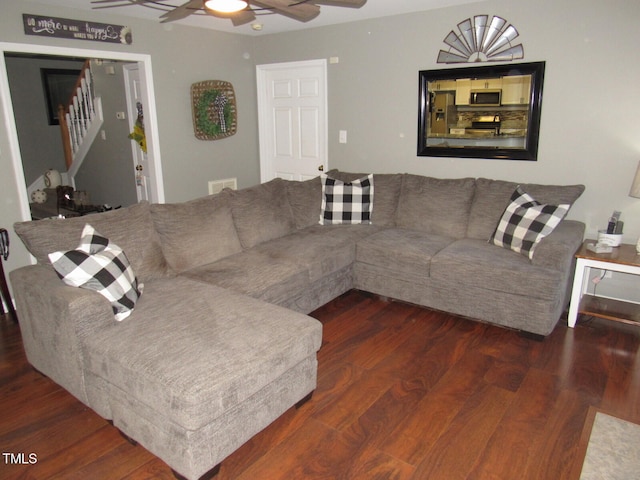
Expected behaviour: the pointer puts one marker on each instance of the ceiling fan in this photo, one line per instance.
(239, 12)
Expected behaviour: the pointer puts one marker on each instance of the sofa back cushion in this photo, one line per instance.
(130, 228)
(492, 197)
(305, 199)
(196, 233)
(387, 192)
(433, 205)
(262, 212)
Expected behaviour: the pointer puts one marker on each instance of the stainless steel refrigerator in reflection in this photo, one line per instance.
(443, 112)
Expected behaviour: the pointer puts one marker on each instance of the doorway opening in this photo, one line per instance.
(154, 180)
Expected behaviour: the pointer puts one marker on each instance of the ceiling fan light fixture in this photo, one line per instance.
(226, 6)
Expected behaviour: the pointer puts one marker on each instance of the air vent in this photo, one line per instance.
(216, 186)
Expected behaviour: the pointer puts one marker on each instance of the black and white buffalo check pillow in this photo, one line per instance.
(100, 265)
(346, 202)
(525, 222)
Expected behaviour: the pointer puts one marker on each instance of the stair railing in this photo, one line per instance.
(76, 117)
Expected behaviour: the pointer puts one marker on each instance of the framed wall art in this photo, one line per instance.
(58, 85)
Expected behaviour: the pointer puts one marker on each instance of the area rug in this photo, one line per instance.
(613, 452)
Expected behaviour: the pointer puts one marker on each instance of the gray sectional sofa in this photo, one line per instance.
(218, 344)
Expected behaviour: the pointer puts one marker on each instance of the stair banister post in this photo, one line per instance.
(66, 136)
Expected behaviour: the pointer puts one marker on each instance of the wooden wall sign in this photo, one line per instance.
(54, 27)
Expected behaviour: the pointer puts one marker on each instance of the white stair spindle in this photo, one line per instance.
(75, 127)
(69, 129)
(87, 79)
(85, 101)
(80, 111)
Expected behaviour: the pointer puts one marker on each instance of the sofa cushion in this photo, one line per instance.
(388, 187)
(99, 265)
(478, 263)
(131, 228)
(196, 233)
(192, 351)
(320, 249)
(526, 222)
(257, 274)
(401, 251)
(305, 198)
(261, 212)
(492, 197)
(437, 206)
(346, 202)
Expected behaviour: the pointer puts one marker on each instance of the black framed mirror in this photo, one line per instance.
(490, 111)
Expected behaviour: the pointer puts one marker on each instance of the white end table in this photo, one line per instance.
(623, 259)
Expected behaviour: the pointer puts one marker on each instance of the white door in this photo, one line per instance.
(292, 115)
(135, 108)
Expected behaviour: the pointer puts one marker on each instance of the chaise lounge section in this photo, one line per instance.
(218, 344)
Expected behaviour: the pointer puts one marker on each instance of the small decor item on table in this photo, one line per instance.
(213, 104)
(39, 196)
(81, 198)
(52, 178)
(611, 239)
(612, 236)
(65, 195)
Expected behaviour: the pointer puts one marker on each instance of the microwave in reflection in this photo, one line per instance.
(488, 98)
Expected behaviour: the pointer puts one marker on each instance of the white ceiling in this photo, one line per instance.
(271, 23)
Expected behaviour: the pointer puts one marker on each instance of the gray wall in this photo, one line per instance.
(589, 111)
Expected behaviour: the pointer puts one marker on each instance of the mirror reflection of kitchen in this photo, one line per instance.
(488, 112)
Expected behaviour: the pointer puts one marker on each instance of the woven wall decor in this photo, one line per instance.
(213, 103)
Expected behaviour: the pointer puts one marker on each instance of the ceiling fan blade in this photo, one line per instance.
(242, 17)
(108, 1)
(124, 2)
(341, 3)
(237, 18)
(181, 11)
(120, 3)
(302, 12)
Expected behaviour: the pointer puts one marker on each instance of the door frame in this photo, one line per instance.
(137, 155)
(151, 124)
(261, 74)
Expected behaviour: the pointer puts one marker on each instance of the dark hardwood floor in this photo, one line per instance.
(403, 393)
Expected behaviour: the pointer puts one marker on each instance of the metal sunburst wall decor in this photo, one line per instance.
(481, 40)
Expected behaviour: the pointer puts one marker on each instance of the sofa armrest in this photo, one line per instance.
(43, 297)
(557, 249)
(53, 320)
